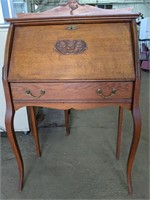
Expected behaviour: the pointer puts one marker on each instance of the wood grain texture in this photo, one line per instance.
(73, 7)
(36, 75)
(80, 10)
(75, 105)
(135, 110)
(71, 91)
(108, 55)
(10, 110)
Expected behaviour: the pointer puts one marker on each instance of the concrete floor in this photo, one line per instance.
(82, 165)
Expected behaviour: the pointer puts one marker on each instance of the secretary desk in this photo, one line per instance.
(73, 56)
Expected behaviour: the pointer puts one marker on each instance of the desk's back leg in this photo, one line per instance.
(33, 126)
(67, 121)
(120, 118)
(9, 118)
(135, 140)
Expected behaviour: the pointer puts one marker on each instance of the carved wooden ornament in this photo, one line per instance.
(70, 46)
(73, 5)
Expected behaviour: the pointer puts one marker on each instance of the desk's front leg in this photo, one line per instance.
(135, 140)
(9, 121)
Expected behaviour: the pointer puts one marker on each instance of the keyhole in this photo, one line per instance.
(71, 27)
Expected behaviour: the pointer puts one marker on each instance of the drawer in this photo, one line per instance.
(85, 91)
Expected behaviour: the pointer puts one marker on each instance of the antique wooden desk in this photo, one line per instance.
(73, 56)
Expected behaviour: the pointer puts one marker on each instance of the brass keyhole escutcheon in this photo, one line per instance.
(71, 28)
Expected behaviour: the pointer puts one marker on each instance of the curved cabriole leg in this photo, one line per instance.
(120, 117)
(33, 125)
(135, 140)
(9, 118)
(67, 121)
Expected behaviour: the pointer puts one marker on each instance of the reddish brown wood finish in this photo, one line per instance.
(76, 105)
(67, 121)
(84, 92)
(72, 82)
(9, 116)
(120, 118)
(120, 66)
(135, 110)
(33, 125)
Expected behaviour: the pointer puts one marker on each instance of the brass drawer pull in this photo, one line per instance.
(100, 92)
(28, 92)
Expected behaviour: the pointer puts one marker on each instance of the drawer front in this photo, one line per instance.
(89, 91)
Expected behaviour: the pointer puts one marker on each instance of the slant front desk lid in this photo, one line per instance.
(88, 43)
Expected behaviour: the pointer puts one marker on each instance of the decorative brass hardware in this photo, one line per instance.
(70, 46)
(100, 92)
(28, 92)
(71, 28)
